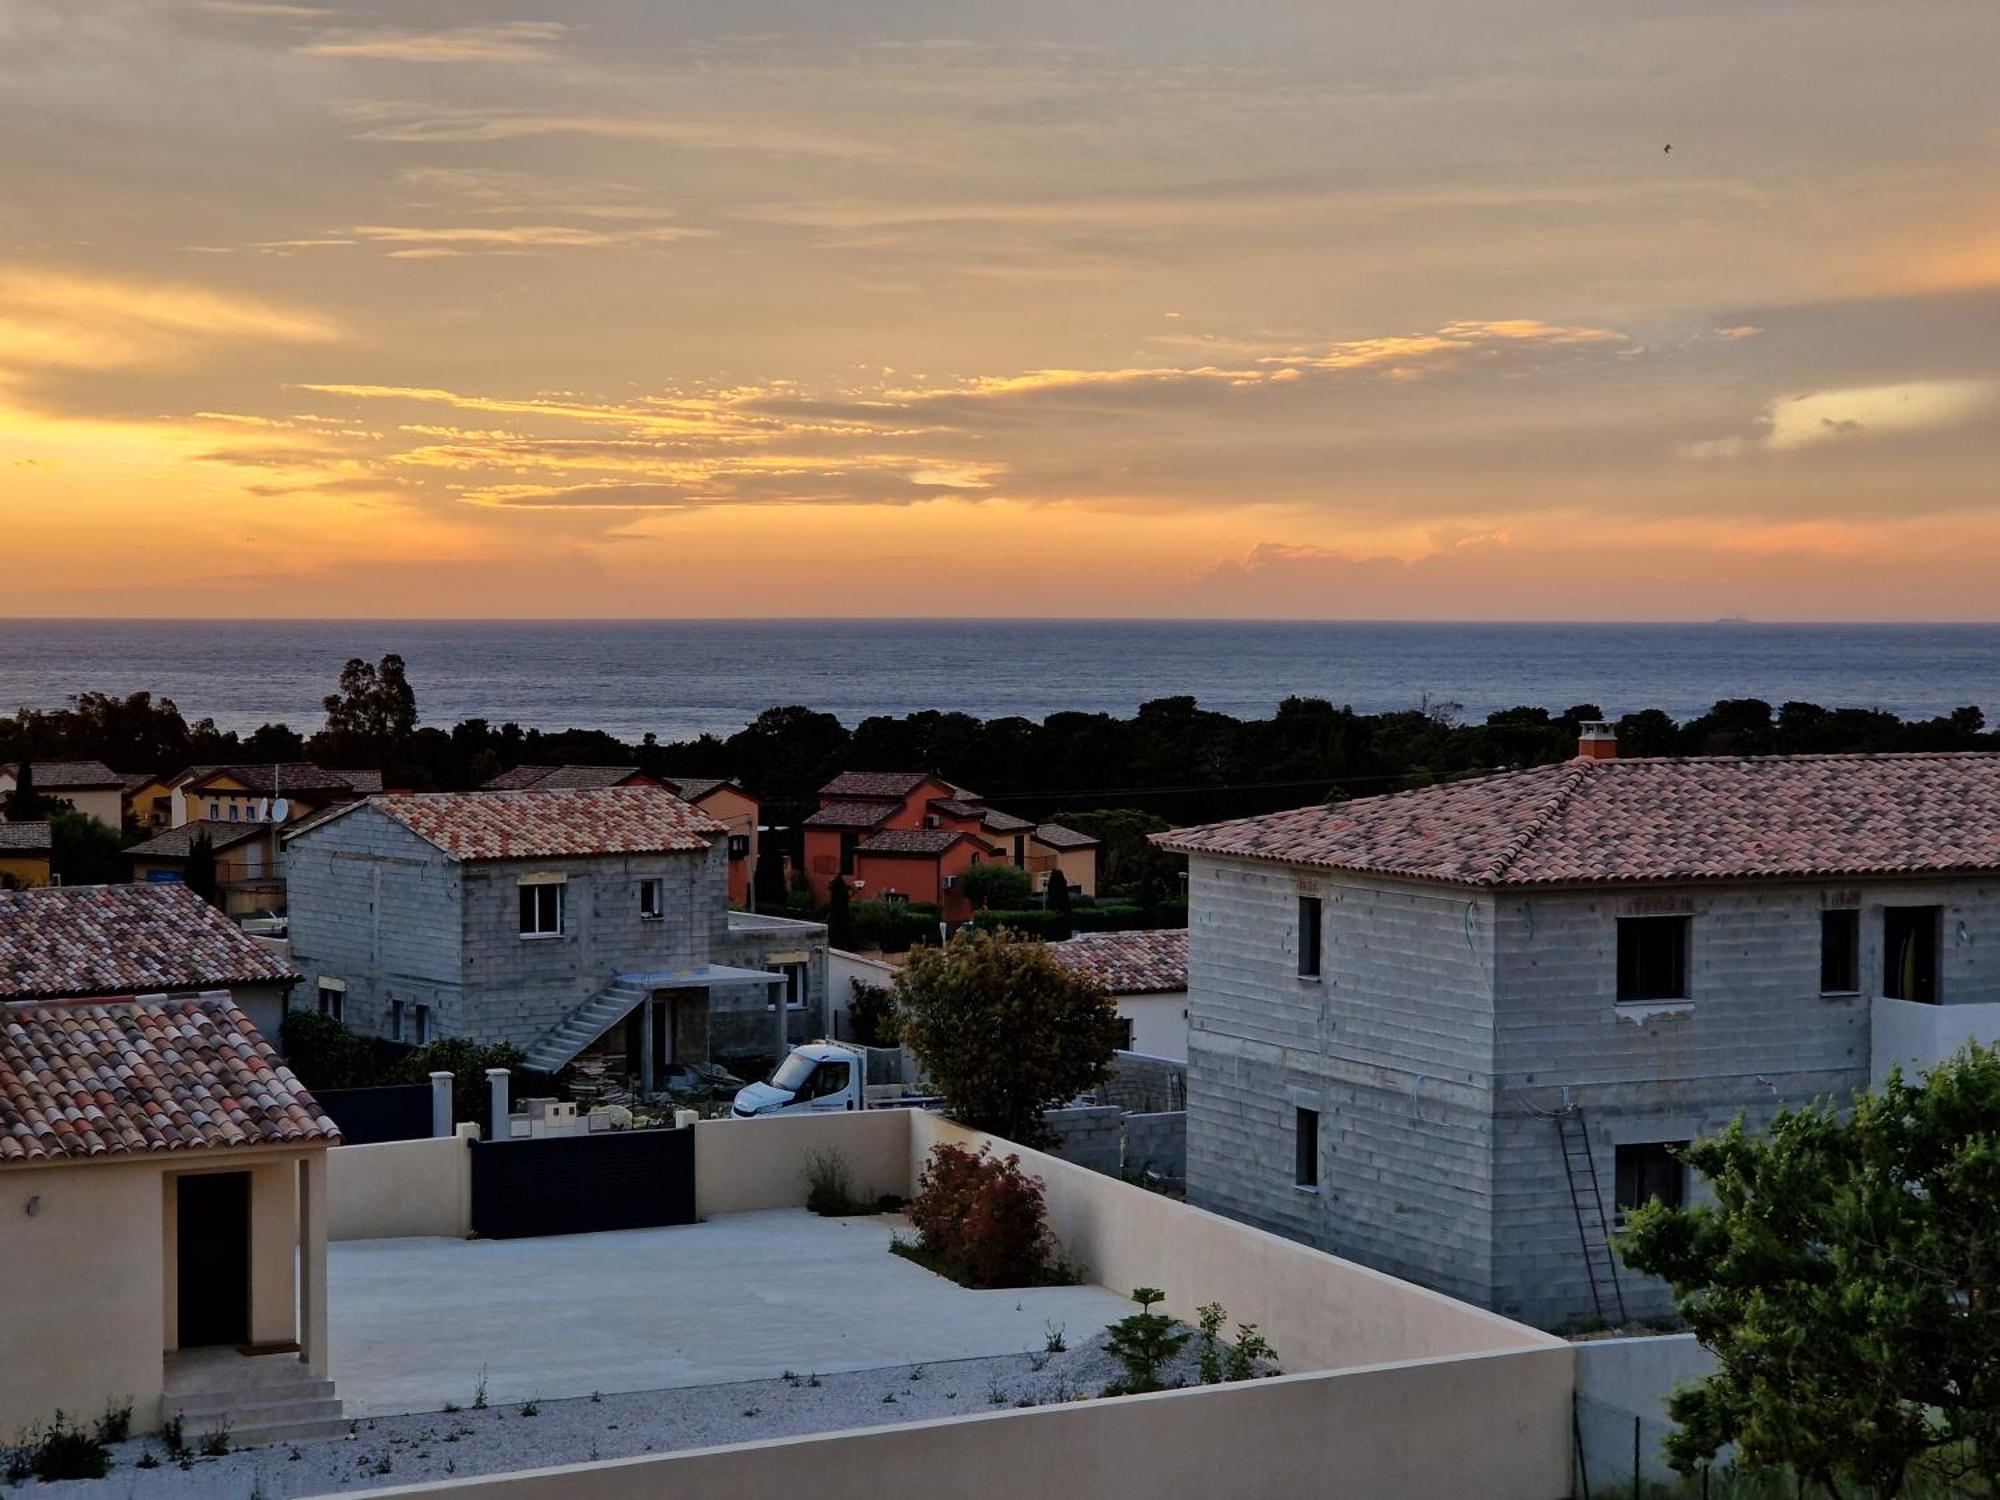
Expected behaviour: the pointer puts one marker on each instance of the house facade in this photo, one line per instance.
(26, 853)
(89, 786)
(247, 877)
(560, 921)
(1458, 1033)
(163, 1183)
(908, 836)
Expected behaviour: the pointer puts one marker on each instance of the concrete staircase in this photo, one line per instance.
(258, 1398)
(585, 1024)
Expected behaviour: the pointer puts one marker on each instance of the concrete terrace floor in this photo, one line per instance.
(743, 1297)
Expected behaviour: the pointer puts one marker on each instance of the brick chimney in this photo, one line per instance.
(1596, 741)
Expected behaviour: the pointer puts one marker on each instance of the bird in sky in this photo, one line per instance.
(1670, 148)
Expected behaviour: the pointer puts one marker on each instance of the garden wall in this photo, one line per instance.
(401, 1188)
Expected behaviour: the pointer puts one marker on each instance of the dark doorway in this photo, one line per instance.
(212, 1225)
(1910, 953)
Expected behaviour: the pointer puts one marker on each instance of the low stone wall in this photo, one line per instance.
(743, 1165)
(1622, 1386)
(401, 1188)
(1091, 1135)
(1367, 1434)
(1157, 1145)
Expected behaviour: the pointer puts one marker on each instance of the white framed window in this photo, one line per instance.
(793, 989)
(214, 811)
(652, 899)
(333, 999)
(542, 910)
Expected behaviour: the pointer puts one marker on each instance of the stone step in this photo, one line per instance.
(290, 1432)
(267, 1409)
(225, 1398)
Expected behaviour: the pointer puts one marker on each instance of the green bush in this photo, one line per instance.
(830, 1185)
(467, 1062)
(60, 1450)
(325, 1054)
(871, 1012)
(988, 885)
(1144, 1342)
(893, 926)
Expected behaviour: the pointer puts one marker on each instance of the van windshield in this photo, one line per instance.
(792, 1072)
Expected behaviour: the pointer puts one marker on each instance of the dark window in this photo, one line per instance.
(1652, 1169)
(739, 846)
(1124, 1033)
(1910, 953)
(395, 1020)
(541, 910)
(423, 1024)
(332, 1002)
(652, 897)
(1839, 952)
(1309, 936)
(847, 843)
(1652, 958)
(1305, 1145)
(794, 988)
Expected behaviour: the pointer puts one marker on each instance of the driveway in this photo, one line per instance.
(414, 1322)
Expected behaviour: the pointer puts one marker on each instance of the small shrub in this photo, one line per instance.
(173, 1436)
(147, 1460)
(872, 1013)
(63, 1450)
(215, 1444)
(829, 1184)
(531, 1408)
(982, 1219)
(116, 1424)
(1144, 1342)
(1219, 1360)
(1056, 1342)
(479, 1391)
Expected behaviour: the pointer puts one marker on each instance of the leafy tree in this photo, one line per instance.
(372, 714)
(1059, 903)
(1847, 1276)
(24, 806)
(467, 1062)
(840, 914)
(1124, 852)
(200, 872)
(768, 891)
(1004, 1031)
(994, 884)
(325, 1054)
(82, 851)
(871, 1011)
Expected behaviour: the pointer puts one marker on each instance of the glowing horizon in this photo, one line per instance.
(447, 312)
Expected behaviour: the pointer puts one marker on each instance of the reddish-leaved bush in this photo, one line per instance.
(982, 1217)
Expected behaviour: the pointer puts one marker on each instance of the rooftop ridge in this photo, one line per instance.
(1575, 774)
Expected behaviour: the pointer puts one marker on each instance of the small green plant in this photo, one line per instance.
(813, 1381)
(147, 1460)
(1251, 1349)
(1218, 1360)
(215, 1444)
(116, 1424)
(450, 1407)
(597, 1398)
(479, 1391)
(531, 1407)
(173, 1436)
(383, 1465)
(1056, 1342)
(1144, 1342)
(830, 1185)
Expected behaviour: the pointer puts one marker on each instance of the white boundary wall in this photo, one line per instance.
(401, 1188)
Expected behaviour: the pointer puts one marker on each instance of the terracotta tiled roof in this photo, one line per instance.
(952, 807)
(560, 778)
(517, 780)
(1000, 822)
(553, 824)
(850, 815)
(24, 838)
(915, 841)
(889, 784)
(694, 788)
(123, 940)
(1592, 821)
(178, 843)
(116, 1078)
(71, 775)
(1058, 837)
(285, 779)
(1151, 962)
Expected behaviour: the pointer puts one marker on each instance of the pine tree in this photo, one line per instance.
(1060, 915)
(24, 806)
(839, 915)
(200, 874)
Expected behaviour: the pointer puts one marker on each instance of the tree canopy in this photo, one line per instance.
(1004, 1031)
(1847, 1277)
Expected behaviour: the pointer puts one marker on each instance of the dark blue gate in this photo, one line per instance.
(578, 1184)
(367, 1117)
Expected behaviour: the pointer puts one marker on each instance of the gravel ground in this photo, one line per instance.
(385, 1451)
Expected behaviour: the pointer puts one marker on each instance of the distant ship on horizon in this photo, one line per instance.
(1732, 620)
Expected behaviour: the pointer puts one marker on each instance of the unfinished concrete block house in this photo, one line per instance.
(1456, 1033)
(563, 921)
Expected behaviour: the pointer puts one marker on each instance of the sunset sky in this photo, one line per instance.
(896, 307)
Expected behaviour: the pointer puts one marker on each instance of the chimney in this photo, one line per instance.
(1596, 741)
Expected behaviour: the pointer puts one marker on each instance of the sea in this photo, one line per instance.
(682, 678)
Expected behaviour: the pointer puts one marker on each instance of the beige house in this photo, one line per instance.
(25, 855)
(89, 786)
(163, 1192)
(1146, 973)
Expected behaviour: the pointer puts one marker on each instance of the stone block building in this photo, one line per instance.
(560, 921)
(1456, 1033)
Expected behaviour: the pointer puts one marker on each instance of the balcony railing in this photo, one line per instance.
(1918, 1036)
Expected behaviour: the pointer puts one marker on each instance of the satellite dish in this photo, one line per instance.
(280, 810)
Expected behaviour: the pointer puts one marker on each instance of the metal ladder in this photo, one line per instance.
(1586, 1198)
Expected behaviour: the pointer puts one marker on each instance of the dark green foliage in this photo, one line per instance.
(871, 1011)
(840, 914)
(116, 1424)
(82, 851)
(1004, 1031)
(467, 1063)
(61, 1450)
(1144, 1342)
(1218, 1359)
(1847, 1276)
(23, 804)
(373, 714)
(987, 885)
(325, 1054)
(830, 1186)
(893, 926)
(1057, 903)
(200, 871)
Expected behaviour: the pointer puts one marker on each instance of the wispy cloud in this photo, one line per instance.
(509, 41)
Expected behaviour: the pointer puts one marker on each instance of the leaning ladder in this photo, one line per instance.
(1586, 1199)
